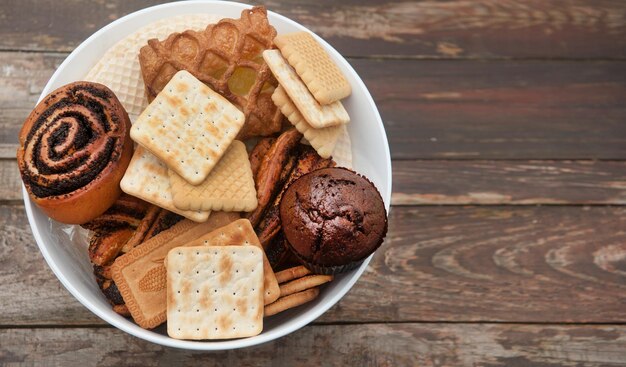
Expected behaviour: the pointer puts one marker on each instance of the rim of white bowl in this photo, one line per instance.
(149, 335)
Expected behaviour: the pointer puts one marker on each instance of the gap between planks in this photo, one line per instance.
(343, 323)
(383, 57)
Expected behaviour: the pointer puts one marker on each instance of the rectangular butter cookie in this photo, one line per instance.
(322, 140)
(317, 115)
(314, 66)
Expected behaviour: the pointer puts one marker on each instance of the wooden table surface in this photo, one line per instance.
(507, 243)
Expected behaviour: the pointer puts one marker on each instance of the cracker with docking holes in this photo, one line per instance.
(214, 292)
(241, 233)
(322, 140)
(188, 126)
(317, 115)
(314, 66)
(146, 178)
(229, 186)
(140, 274)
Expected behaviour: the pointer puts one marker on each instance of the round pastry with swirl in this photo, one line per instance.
(74, 149)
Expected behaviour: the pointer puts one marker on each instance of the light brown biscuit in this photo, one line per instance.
(140, 274)
(292, 273)
(316, 115)
(229, 186)
(241, 233)
(291, 301)
(214, 292)
(146, 178)
(301, 284)
(322, 140)
(226, 57)
(314, 66)
(188, 126)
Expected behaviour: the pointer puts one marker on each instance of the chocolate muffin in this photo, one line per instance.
(333, 219)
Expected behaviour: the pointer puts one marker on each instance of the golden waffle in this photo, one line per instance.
(227, 56)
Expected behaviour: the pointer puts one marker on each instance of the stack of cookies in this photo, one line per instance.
(310, 89)
(187, 160)
(208, 280)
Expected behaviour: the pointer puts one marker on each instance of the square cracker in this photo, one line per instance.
(323, 140)
(214, 292)
(229, 186)
(146, 178)
(320, 74)
(140, 274)
(317, 115)
(241, 233)
(188, 126)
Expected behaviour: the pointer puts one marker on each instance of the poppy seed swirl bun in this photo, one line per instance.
(74, 149)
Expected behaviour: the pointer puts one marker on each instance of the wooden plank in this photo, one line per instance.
(435, 182)
(7, 151)
(500, 110)
(22, 78)
(511, 264)
(10, 181)
(337, 345)
(431, 29)
(441, 109)
(467, 182)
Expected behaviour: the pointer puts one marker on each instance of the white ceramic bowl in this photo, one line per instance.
(70, 263)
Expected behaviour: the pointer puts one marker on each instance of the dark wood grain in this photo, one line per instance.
(516, 107)
(332, 345)
(431, 29)
(10, 180)
(435, 182)
(464, 182)
(22, 78)
(500, 110)
(521, 264)
(441, 109)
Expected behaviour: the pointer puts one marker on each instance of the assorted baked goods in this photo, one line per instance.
(128, 223)
(209, 236)
(226, 56)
